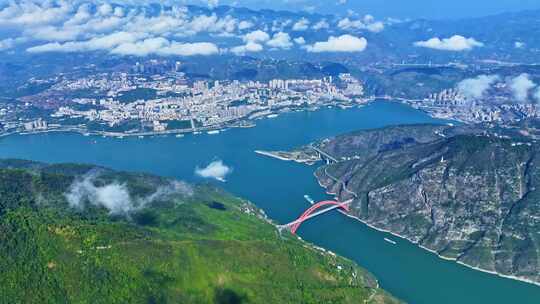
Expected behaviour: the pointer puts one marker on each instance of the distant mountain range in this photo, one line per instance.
(508, 37)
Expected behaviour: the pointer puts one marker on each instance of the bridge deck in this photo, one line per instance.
(300, 220)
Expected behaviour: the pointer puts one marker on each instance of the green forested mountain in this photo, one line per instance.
(82, 234)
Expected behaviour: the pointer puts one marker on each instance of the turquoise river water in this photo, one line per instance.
(278, 187)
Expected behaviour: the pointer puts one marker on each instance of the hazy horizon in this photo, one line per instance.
(393, 8)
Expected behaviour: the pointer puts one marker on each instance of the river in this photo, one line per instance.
(278, 187)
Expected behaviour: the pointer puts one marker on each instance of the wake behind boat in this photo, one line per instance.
(309, 199)
(390, 241)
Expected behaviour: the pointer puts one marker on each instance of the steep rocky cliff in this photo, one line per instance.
(467, 193)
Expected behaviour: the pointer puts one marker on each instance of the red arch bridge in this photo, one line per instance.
(312, 212)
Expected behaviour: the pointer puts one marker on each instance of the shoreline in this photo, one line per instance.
(515, 278)
(242, 122)
(440, 256)
(272, 155)
(275, 155)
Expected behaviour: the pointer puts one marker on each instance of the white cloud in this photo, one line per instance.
(367, 23)
(347, 23)
(161, 46)
(216, 170)
(105, 9)
(213, 3)
(82, 15)
(31, 13)
(212, 24)
(279, 25)
(344, 43)
(520, 86)
(59, 25)
(300, 40)
(244, 25)
(455, 43)
(250, 47)
(6, 44)
(115, 196)
(519, 45)
(256, 36)
(280, 40)
(118, 11)
(375, 27)
(123, 43)
(474, 88)
(106, 42)
(301, 25)
(52, 33)
(323, 24)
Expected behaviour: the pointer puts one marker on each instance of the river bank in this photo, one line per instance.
(278, 187)
(409, 239)
(287, 156)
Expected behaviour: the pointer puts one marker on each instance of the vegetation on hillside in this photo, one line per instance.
(81, 234)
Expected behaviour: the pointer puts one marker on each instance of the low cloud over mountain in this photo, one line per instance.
(216, 170)
(455, 43)
(344, 43)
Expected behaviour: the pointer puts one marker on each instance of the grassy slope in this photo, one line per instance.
(208, 247)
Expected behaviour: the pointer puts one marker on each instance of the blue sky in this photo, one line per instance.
(400, 8)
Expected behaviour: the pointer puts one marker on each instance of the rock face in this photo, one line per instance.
(469, 194)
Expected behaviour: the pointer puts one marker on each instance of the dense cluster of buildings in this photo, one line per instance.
(155, 96)
(159, 100)
(496, 106)
(38, 124)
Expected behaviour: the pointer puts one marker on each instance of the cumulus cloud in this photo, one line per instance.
(249, 47)
(115, 197)
(474, 88)
(31, 13)
(455, 43)
(519, 45)
(212, 24)
(520, 86)
(323, 24)
(123, 43)
(244, 25)
(280, 40)
(300, 40)
(344, 43)
(256, 36)
(301, 25)
(216, 170)
(87, 25)
(105, 42)
(279, 25)
(161, 46)
(213, 3)
(368, 22)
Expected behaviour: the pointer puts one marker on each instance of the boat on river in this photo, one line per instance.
(309, 199)
(390, 241)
